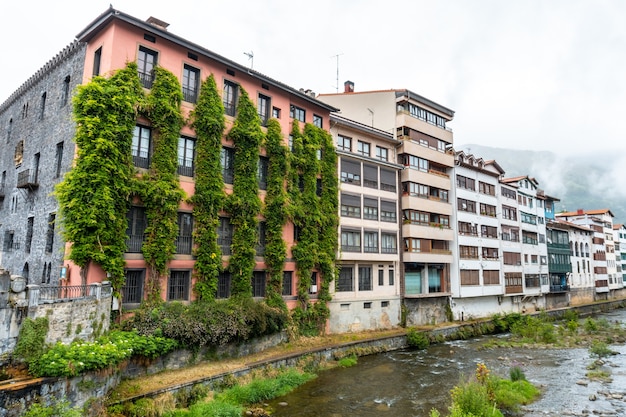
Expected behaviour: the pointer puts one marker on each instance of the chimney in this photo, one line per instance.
(348, 87)
(158, 23)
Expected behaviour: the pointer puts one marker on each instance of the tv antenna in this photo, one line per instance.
(337, 57)
(250, 56)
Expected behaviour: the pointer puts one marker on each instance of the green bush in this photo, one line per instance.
(590, 325)
(417, 339)
(209, 323)
(600, 349)
(31, 339)
(348, 361)
(516, 374)
(109, 350)
(60, 408)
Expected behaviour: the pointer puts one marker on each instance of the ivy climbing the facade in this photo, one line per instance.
(208, 122)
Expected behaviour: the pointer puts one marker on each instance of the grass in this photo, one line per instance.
(233, 401)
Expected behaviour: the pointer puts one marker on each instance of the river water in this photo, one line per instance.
(412, 382)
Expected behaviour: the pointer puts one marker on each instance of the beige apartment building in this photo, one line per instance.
(425, 151)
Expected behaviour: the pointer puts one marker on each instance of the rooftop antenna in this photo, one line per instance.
(337, 57)
(250, 56)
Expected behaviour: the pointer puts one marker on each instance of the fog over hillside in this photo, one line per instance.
(587, 181)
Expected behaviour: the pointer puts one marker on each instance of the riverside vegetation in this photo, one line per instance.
(158, 330)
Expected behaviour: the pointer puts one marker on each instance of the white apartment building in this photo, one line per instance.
(619, 238)
(476, 278)
(533, 237)
(366, 295)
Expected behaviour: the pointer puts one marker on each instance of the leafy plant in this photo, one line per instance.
(93, 196)
(417, 339)
(60, 408)
(208, 122)
(244, 204)
(31, 339)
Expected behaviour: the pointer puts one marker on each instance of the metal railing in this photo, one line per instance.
(55, 293)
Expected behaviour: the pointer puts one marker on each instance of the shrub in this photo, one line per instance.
(417, 339)
(59, 408)
(590, 325)
(109, 350)
(516, 374)
(600, 349)
(31, 339)
(348, 361)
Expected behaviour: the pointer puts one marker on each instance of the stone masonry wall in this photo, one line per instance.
(38, 130)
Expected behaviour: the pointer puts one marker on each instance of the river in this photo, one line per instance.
(412, 382)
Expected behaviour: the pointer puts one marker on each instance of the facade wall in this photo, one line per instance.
(37, 136)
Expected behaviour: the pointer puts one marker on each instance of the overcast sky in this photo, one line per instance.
(533, 74)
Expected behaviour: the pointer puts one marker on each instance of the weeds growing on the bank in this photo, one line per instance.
(485, 394)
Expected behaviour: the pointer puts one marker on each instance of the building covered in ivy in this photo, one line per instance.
(218, 181)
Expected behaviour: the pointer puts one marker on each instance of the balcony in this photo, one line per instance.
(146, 79)
(190, 94)
(133, 243)
(183, 245)
(27, 179)
(555, 288)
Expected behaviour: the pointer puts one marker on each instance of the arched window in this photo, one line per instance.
(25, 272)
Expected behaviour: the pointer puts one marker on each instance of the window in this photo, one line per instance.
(388, 180)
(508, 193)
(370, 176)
(363, 148)
(509, 213)
(469, 277)
(490, 253)
(185, 231)
(489, 231)
(351, 205)
(529, 238)
(486, 188)
(223, 284)
(191, 78)
(50, 232)
(258, 284)
(412, 245)
(344, 143)
(466, 205)
(370, 242)
(66, 91)
(365, 278)
(388, 243)
(381, 276)
(487, 210)
(59, 160)
(42, 110)
(178, 285)
(140, 148)
(388, 211)
(370, 208)
(3, 182)
(345, 282)
(262, 172)
(228, 169)
(136, 226)
(491, 277)
(276, 112)
(468, 252)
(318, 121)
(97, 56)
(225, 235)
(297, 113)
(9, 129)
(350, 172)
(382, 153)
(9, 241)
(534, 259)
(132, 291)
(229, 98)
(263, 107)
(186, 148)
(467, 229)
(287, 283)
(512, 258)
(528, 218)
(391, 277)
(29, 234)
(260, 244)
(351, 240)
(510, 234)
(146, 61)
(464, 182)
